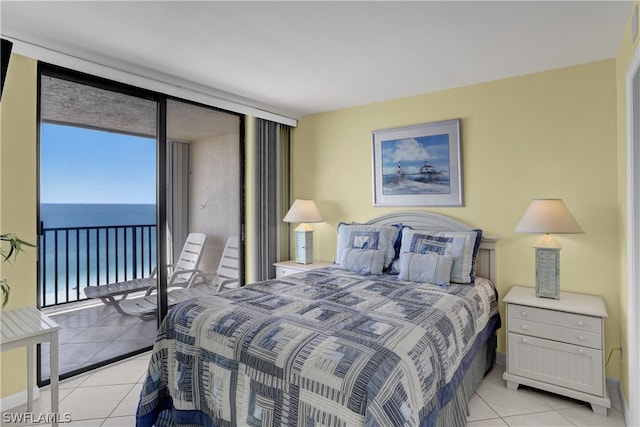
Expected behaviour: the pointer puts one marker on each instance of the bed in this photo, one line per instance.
(345, 345)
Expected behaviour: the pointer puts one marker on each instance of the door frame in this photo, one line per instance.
(633, 237)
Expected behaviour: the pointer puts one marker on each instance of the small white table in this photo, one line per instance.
(25, 327)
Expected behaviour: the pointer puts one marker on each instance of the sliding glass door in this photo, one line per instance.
(125, 175)
(204, 177)
(97, 213)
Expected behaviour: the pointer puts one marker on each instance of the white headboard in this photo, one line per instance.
(486, 261)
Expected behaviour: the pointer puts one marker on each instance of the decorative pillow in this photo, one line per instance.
(430, 267)
(362, 236)
(462, 245)
(363, 261)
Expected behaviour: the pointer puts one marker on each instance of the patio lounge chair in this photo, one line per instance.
(183, 273)
(227, 275)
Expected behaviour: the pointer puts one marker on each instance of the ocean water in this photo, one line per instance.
(89, 244)
(55, 215)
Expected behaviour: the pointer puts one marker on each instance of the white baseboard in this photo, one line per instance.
(614, 385)
(17, 399)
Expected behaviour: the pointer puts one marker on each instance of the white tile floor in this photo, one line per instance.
(109, 396)
(494, 404)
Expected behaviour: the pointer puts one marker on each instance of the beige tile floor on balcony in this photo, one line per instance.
(108, 397)
(92, 333)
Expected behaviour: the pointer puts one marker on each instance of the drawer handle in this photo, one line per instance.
(580, 337)
(581, 351)
(524, 313)
(580, 323)
(523, 340)
(523, 327)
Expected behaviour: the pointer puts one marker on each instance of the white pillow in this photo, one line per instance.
(363, 236)
(363, 261)
(462, 245)
(430, 267)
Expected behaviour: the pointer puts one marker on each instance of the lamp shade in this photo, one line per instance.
(303, 211)
(548, 216)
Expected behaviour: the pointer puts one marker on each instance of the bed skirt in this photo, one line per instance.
(456, 411)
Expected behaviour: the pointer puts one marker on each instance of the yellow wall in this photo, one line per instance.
(550, 134)
(623, 61)
(18, 200)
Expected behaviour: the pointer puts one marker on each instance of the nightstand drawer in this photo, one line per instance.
(284, 271)
(571, 366)
(556, 318)
(554, 332)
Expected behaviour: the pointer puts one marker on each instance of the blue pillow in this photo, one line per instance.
(364, 236)
(363, 261)
(430, 267)
(462, 245)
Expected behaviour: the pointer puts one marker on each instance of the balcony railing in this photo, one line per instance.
(74, 257)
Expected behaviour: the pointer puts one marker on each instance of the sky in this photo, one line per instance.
(88, 166)
(413, 152)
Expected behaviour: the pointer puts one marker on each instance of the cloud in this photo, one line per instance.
(407, 150)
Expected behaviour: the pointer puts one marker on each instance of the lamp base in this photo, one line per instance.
(548, 272)
(304, 246)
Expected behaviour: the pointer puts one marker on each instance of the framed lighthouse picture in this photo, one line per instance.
(418, 165)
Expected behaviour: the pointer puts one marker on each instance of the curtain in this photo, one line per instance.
(177, 198)
(271, 197)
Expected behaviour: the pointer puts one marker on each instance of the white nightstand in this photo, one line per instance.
(557, 345)
(284, 268)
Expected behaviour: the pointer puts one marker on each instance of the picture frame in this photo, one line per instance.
(418, 165)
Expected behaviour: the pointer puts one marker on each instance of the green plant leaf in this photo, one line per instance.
(5, 291)
(15, 246)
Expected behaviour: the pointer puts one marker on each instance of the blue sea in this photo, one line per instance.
(55, 215)
(89, 244)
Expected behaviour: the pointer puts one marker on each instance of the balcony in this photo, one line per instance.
(71, 258)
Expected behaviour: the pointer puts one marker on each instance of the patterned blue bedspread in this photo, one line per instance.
(326, 347)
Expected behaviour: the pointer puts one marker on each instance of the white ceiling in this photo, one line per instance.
(297, 58)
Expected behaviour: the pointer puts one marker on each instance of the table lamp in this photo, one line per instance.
(304, 212)
(548, 216)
